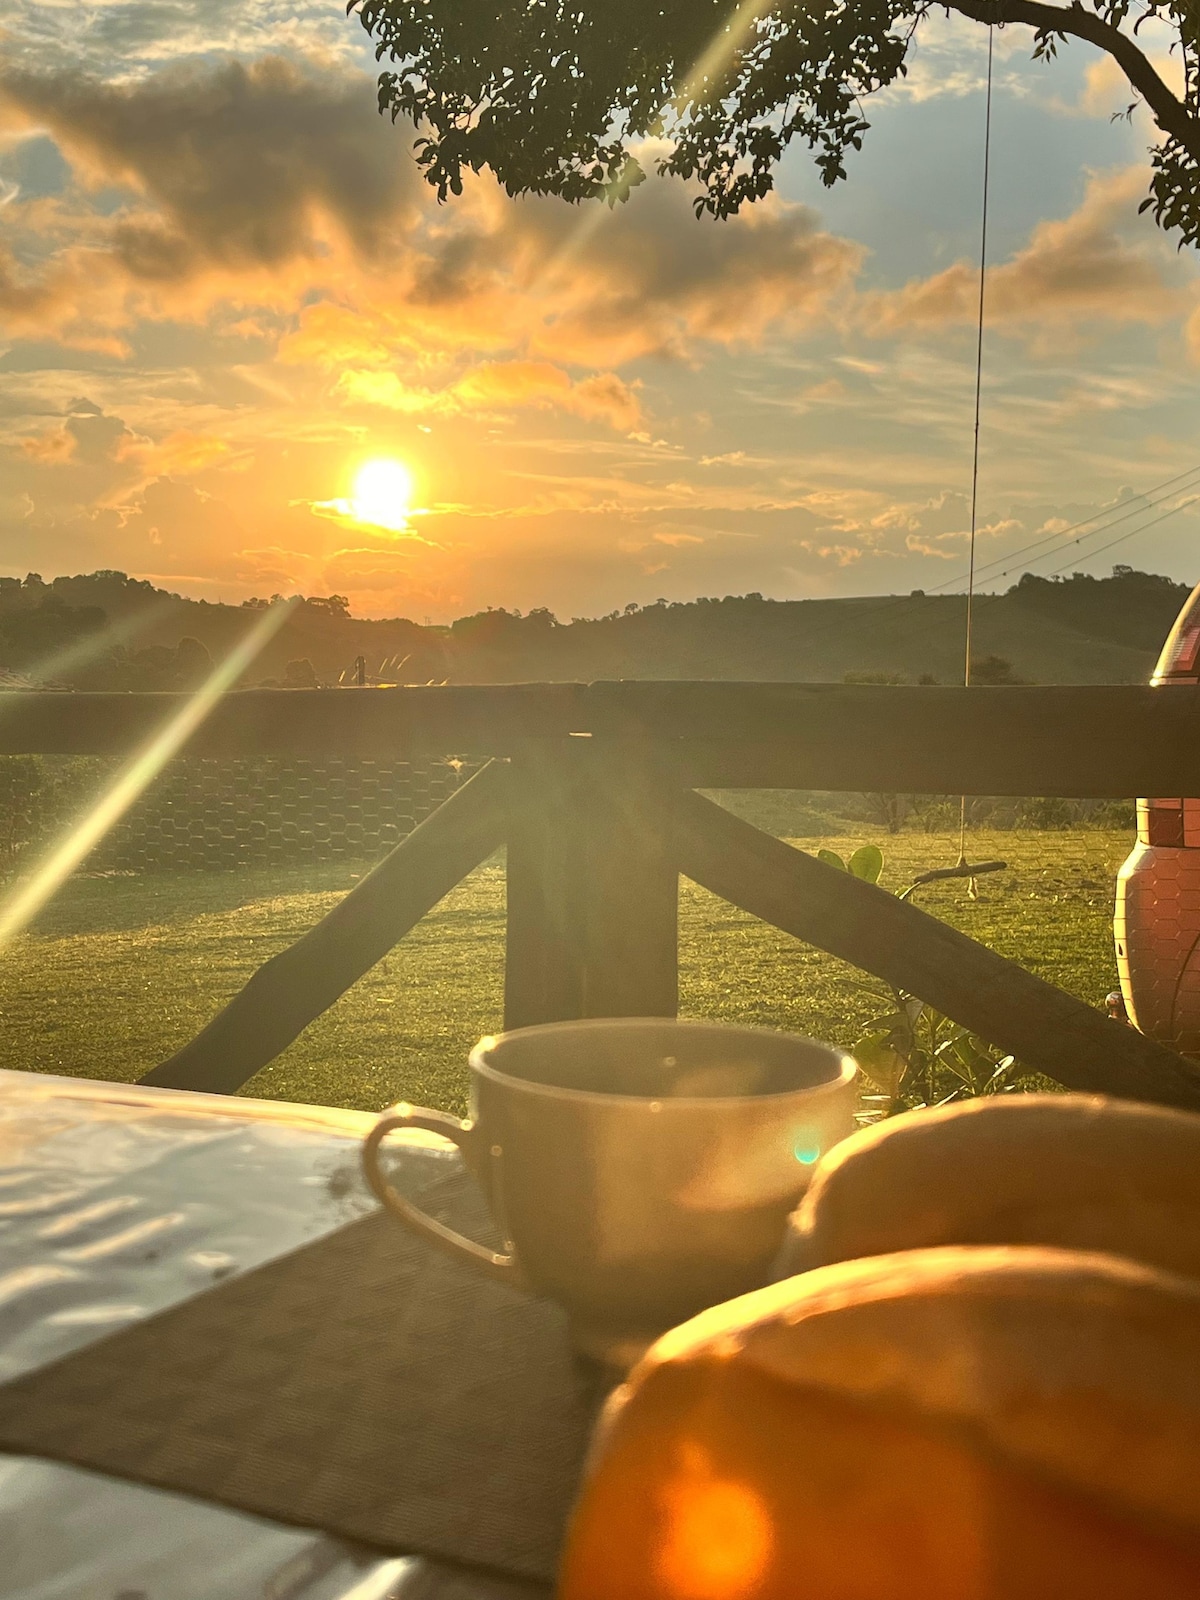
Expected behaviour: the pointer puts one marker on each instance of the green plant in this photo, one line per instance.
(912, 1054)
(866, 862)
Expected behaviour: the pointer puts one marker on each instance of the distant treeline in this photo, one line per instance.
(106, 630)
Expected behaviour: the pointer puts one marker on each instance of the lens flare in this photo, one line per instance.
(30, 893)
(716, 1540)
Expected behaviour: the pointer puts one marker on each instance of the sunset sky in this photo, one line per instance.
(224, 290)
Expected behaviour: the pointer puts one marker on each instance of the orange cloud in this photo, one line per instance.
(178, 455)
(1106, 91)
(678, 541)
(512, 383)
(387, 390)
(50, 448)
(234, 157)
(61, 299)
(236, 165)
(1095, 263)
(263, 192)
(502, 386)
(606, 398)
(332, 335)
(652, 279)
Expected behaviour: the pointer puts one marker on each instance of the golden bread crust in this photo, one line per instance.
(1078, 1171)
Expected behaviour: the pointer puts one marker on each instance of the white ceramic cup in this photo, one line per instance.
(638, 1169)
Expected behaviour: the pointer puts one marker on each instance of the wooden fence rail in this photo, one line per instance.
(1089, 742)
(593, 800)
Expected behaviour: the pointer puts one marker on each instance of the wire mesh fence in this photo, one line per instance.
(223, 814)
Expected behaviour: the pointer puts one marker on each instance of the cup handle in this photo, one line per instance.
(465, 1135)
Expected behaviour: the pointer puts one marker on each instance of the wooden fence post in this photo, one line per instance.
(592, 886)
(544, 954)
(632, 882)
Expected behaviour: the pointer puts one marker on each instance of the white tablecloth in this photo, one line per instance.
(115, 1202)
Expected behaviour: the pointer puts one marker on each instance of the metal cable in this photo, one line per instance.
(987, 162)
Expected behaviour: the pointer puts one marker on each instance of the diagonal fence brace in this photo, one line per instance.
(296, 986)
(1047, 1029)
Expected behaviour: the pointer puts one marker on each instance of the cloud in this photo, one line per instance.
(606, 398)
(678, 540)
(1192, 335)
(329, 334)
(544, 282)
(43, 301)
(269, 196)
(347, 514)
(501, 386)
(242, 168)
(20, 298)
(387, 390)
(651, 279)
(97, 437)
(1096, 264)
(233, 160)
(1106, 90)
(178, 455)
(51, 448)
(605, 288)
(87, 436)
(380, 581)
(123, 40)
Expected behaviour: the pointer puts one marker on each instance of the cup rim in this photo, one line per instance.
(848, 1067)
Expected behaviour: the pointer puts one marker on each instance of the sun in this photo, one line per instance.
(383, 491)
(382, 498)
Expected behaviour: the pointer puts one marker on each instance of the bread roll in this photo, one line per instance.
(1079, 1171)
(953, 1424)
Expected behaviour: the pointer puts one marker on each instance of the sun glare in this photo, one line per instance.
(383, 494)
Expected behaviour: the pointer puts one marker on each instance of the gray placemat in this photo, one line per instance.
(364, 1384)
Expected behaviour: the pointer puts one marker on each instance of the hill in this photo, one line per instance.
(105, 630)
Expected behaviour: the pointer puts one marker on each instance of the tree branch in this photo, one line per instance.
(1171, 114)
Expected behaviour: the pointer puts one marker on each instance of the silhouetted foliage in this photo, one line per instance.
(554, 97)
(1078, 630)
(155, 666)
(993, 670)
(1128, 607)
(300, 674)
(44, 632)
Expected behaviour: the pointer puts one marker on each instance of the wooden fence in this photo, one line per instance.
(592, 790)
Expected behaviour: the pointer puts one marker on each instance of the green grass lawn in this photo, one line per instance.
(119, 971)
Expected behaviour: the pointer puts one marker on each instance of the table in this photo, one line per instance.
(115, 1202)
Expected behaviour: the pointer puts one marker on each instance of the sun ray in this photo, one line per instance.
(726, 40)
(32, 890)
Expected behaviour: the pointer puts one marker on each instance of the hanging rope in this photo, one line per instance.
(987, 162)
